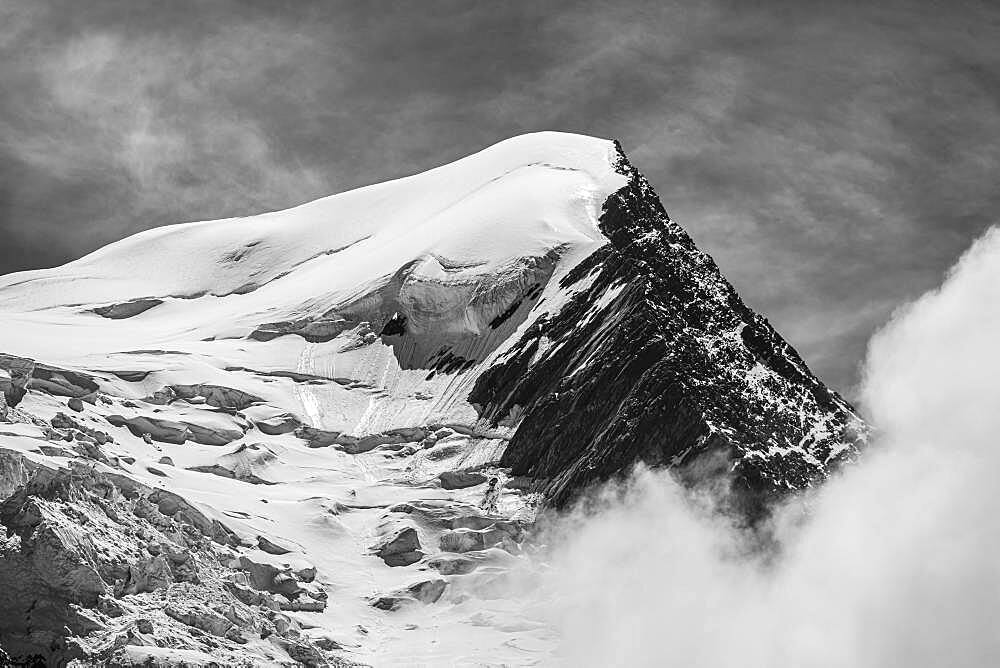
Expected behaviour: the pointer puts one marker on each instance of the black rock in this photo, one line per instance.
(461, 479)
(656, 359)
(400, 548)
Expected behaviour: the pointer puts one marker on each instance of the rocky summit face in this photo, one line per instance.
(321, 436)
(655, 358)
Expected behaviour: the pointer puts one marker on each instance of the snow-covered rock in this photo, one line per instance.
(404, 370)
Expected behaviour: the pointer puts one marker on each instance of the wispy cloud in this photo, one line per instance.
(153, 112)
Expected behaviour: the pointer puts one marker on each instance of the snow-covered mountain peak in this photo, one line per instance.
(519, 198)
(291, 433)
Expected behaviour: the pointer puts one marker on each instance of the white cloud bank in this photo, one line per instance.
(894, 563)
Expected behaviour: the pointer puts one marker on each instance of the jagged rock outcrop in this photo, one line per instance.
(399, 548)
(18, 374)
(656, 359)
(94, 563)
(15, 373)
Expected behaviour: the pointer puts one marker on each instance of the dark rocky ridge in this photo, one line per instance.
(656, 359)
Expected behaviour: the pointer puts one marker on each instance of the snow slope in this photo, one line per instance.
(462, 240)
(520, 198)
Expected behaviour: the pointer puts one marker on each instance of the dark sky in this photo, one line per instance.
(834, 157)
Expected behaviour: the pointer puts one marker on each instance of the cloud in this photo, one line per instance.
(117, 128)
(153, 111)
(893, 563)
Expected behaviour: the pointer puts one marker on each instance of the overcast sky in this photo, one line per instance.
(834, 157)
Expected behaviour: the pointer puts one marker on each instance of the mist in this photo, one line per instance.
(892, 563)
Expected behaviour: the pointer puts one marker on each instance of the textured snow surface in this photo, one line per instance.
(297, 311)
(481, 222)
(519, 198)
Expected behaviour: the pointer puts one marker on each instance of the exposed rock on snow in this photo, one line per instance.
(427, 592)
(320, 330)
(400, 548)
(320, 438)
(271, 547)
(165, 431)
(216, 395)
(15, 372)
(242, 464)
(272, 421)
(207, 429)
(461, 479)
(126, 309)
(21, 373)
